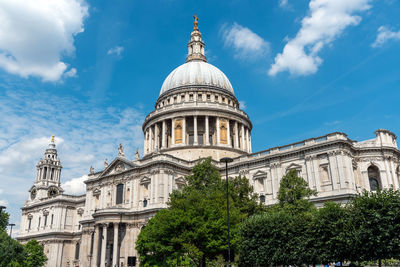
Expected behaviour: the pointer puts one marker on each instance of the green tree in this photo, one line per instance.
(375, 226)
(331, 228)
(33, 254)
(14, 254)
(284, 234)
(193, 229)
(294, 191)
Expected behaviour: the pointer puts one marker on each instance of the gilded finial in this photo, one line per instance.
(196, 28)
(52, 138)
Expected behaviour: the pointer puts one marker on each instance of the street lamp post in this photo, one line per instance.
(11, 225)
(227, 160)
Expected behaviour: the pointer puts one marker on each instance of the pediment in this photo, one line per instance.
(259, 174)
(145, 180)
(118, 165)
(180, 180)
(293, 166)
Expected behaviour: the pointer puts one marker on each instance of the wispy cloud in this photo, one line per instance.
(85, 136)
(325, 22)
(37, 50)
(115, 51)
(284, 4)
(246, 44)
(385, 35)
(242, 104)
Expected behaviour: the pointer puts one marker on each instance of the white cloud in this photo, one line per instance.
(384, 35)
(247, 44)
(75, 186)
(115, 50)
(242, 104)
(284, 3)
(3, 202)
(325, 22)
(36, 34)
(85, 134)
(71, 73)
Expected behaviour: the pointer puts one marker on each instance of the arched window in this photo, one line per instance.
(262, 198)
(374, 178)
(77, 246)
(145, 203)
(44, 172)
(120, 194)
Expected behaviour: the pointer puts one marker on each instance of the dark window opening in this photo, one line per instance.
(145, 203)
(29, 224)
(120, 193)
(39, 221)
(77, 246)
(52, 219)
(374, 178)
(262, 199)
(45, 220)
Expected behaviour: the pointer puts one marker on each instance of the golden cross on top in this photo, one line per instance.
(195, 22)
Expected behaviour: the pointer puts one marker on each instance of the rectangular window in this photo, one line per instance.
(200, 97)
(208, 97)
(52, 218)
(216, 98)
(175, 99)
(39, 221)
(45, 220)
(182, 97)
(120, 193)
(191, 139)
(91, 243)
(200, 139)
(29, 223)
(191, 97)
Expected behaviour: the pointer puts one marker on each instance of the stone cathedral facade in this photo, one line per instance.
(196, 115)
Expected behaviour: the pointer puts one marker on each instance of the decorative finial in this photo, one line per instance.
(91, 170)
(52, 138)
(105, 163)
(196, 23)
(121, 151)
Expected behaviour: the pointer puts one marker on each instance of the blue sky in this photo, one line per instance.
(90, 71)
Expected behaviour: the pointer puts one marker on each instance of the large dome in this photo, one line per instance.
(196, 73)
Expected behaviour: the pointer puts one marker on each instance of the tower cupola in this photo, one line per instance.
(196, 45)
(47, 183)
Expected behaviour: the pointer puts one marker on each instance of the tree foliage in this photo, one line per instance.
(193, 229)
(293, 232)
(14, 254)
(375, 226)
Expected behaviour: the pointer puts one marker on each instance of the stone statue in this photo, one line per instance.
(105, 163)
(121, 151)
(137, 154)
(91, 170)
(195, 22)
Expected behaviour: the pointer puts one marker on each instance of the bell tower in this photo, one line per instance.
(47, 183)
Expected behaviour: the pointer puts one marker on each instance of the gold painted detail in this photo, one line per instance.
(196, 23)
(223, 131)
(52, 138)
(178, 128)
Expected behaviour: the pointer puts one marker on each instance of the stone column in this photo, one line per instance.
(95, 245)
(184, 131)
(243, 143)
(104, 246)
(228, 139)
(196, 141)
(163, 133)
(207, 131)
(115, 246)
(146, 136)
(156, 136)
(247, 140)
(236, 135)
(218, 131)
(173, 132)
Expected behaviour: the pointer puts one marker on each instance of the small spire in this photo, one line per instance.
(52, 138)
(196, 45)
